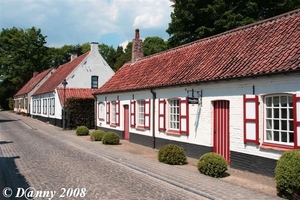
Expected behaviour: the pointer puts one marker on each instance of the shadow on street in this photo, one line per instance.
(11, 177)
(7, 120)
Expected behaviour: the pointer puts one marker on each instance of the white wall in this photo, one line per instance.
(201, 117)
(92, 65)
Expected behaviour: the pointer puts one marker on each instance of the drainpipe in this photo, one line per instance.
(153, 116)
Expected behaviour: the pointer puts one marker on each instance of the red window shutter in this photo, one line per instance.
(147, 114)
(296, 110)
(251, 119)
(184, 116)
(132, 113)
(107, 112)
(162, 115)
(118, 113)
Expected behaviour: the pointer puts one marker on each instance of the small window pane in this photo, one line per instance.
(276, 101)
(290, 101)
(291, 135)
(291, 114)
(276, 136)
(276, 124)
(269, 135)
(283, 136)
(276, 113)
(269, 101)
(269, 124)
(291, 125)
(269, 112)
(284, 113)
(284, 125)
(283, 100)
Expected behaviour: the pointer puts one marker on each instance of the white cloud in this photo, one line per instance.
(124, 44)
(80, 21)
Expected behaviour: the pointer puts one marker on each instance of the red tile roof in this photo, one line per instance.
(33, 82)
(59, 75)
(83, 93)
(265, 47)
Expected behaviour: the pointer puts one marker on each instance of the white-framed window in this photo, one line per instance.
(173, 110)
(101, 110)
(113, 112)
(34, 106)
(39, 106)
(279, 127)
(94, 82)
(44, 106)
(26, 102)
(141, 112)
(52, 106)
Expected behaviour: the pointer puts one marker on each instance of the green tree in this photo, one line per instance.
(108, 53)
(154, 45)
(122, 56)
(22, 51)
(192, 20)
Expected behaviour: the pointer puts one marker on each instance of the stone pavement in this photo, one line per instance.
(195, 183)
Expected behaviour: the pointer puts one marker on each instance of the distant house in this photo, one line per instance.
(83, 75)
(23, 96)
(236, 94)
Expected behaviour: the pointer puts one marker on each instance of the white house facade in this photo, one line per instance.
(236, 94)
(23, 96)
(88, 71)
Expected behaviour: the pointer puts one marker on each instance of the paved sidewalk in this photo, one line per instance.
(197, 183)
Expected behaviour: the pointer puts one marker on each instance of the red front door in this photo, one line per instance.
(221, 129)
(126, 122)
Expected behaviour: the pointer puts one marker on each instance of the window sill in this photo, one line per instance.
(140, 128)
(173, 132)
(113, 125)
(276, 147)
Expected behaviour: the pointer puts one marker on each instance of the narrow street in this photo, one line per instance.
(56, 164)
(44, 161)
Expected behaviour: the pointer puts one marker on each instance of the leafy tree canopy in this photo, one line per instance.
(192, 19)
(154, 45)
(22, 51)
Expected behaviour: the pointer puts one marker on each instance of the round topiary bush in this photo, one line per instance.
(212, 164)
(287, 174)
(172, 154)
(82, 130)
(111, 138)
(97, 135)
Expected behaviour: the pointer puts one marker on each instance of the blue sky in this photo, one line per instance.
(72, 22)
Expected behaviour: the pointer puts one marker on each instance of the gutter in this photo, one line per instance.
(205, 81)
(153, 117)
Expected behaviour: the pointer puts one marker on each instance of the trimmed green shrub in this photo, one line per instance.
(212, 164)
(82, 130)
(97, 135)
(172, 154)
(111, 138)
(287, 175)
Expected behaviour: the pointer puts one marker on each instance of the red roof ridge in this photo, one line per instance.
(62, 72)
(33, 82)
(226, 33)
(266, 47)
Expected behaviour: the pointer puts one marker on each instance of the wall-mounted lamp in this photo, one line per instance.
(192, 99)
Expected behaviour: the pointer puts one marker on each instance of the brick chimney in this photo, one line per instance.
(137, 47)
(35, 74)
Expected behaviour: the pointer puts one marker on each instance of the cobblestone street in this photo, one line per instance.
(41, 156)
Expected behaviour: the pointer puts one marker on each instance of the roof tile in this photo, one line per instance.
(269, 46)
(33, 82)
(82, 93)
(59, 75)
